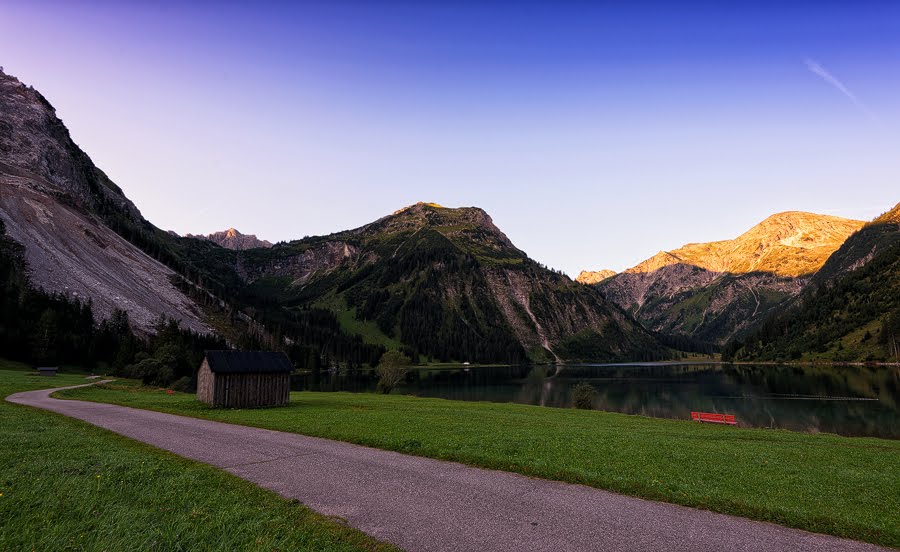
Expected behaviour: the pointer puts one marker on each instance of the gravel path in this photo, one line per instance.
(429, 505)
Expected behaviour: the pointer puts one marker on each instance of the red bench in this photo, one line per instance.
(713, 418)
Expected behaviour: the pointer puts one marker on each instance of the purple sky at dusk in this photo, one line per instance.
(595, 135)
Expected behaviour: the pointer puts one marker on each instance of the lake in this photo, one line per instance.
(847, 400)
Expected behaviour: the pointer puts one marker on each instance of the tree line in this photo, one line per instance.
(42, 328)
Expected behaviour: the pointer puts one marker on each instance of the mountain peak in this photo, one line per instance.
(683, 291)
(791, 243)
(892, 216)
(789, 223)
(232, 239)
(419, 207)
(468, 228)
(789, 215)
(37, 150)
(434, 215)
(590, 277)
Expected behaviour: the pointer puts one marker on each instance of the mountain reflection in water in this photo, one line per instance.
(847, 400)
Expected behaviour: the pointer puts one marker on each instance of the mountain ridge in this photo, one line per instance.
(466, 268)
(757, 250)
(715, 290)
(594, 276)
(232, 239)
(63, 210)
(439, 283)
(849, 311)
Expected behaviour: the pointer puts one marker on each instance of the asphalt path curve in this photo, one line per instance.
(421, 504)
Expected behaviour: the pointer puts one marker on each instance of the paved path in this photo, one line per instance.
(429, 505)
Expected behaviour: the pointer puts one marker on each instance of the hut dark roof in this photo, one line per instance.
(248, 362)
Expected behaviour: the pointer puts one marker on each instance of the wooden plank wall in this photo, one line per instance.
(249, 390)
(205, 381)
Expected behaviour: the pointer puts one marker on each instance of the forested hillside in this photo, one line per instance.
(51, 329)
(445, 284)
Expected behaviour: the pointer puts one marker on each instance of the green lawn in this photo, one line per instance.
(66, 485)
(824, 483)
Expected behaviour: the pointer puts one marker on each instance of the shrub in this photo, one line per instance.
(184, 384)
(391, 370)
(583, 395)
(150, 371)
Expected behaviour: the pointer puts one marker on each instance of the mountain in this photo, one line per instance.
(860, 248)
(232, 239)
(63, 209)
(713, 291)
(594, 277)
(849, 311)
(449, 285)
(69, 230)
(443, 284)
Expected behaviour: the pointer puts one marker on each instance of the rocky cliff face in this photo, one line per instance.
(591, 277)
(712, 291)
(232, 239)
(57, 204)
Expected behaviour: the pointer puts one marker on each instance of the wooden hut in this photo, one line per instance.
(242, 379)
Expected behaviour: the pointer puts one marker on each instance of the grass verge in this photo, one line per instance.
(66, 485)
(823, 483)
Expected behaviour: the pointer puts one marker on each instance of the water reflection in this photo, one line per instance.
(849, 400)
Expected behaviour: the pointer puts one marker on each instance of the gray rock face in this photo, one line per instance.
(50, 197)
(317, 260)
(709, 306)
(232, 239)
(35, 145)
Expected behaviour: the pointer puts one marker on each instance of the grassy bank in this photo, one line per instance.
(66, 485)
(823, 483)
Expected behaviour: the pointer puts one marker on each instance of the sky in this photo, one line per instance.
(594, 133)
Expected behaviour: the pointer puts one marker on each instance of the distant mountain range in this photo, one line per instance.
(713, 291)
(442, 284)
(232, 239)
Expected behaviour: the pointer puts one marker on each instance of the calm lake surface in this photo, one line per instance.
(848, 400)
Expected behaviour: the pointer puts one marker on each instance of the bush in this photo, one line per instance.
(583, 395)
(150, 371)
(184, 384)
(391, 370)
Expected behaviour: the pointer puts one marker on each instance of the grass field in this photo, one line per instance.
(824, 483)
(66, 485)
(368, 330)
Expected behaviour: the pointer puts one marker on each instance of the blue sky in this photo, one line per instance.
(595, 134)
